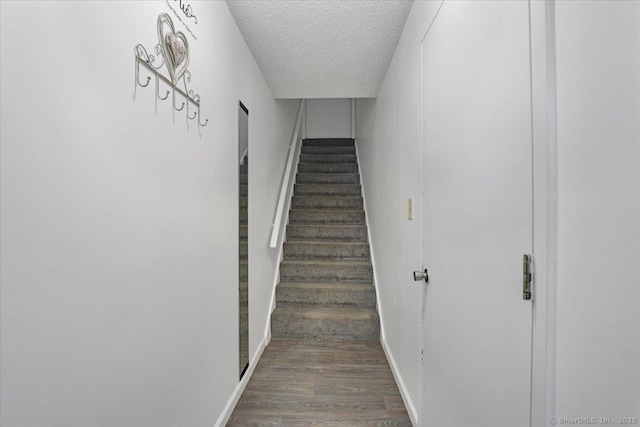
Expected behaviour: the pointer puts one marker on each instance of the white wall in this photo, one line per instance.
(595, 368)
(328, 118)
(598, 137)
(389, 132)
(119, 228)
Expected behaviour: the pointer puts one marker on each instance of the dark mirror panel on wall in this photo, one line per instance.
(243, 156)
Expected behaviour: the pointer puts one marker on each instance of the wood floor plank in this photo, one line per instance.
(388, 422)
(307, 405)
(321, 383)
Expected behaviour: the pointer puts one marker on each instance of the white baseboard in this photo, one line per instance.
(408, 403)
(237, 392)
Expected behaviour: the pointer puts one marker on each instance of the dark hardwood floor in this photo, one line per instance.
(321, 383)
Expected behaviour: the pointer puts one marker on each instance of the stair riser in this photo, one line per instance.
(325, 273)
(326, 251)
(297, 327)
(322, 178)
(288, 296)
(328, 142)
(328, 217)
(328, 158)
(328, 168)
(327, 190)
(304, 202)
(327, 233)
(328, 150)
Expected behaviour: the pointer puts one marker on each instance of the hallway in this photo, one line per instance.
(439, 225)
(300, 383)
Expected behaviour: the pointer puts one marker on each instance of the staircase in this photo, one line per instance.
(325, 289)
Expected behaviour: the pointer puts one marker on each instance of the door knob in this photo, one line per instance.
(419, 276)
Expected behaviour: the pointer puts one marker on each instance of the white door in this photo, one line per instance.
(477, 215)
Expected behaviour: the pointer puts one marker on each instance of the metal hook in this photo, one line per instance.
(139, 53)
(206, 120)
(138, 74)
(174, 104)
(158, 93)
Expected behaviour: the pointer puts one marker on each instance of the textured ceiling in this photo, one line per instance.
(322, 49)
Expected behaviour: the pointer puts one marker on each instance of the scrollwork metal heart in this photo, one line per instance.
(175, 47)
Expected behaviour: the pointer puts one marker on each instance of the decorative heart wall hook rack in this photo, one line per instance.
(172, 50)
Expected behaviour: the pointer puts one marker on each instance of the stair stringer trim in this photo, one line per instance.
(369, 241)
(276, 276)
(404, 393)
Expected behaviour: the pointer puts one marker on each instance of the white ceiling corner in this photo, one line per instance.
(322, 48)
